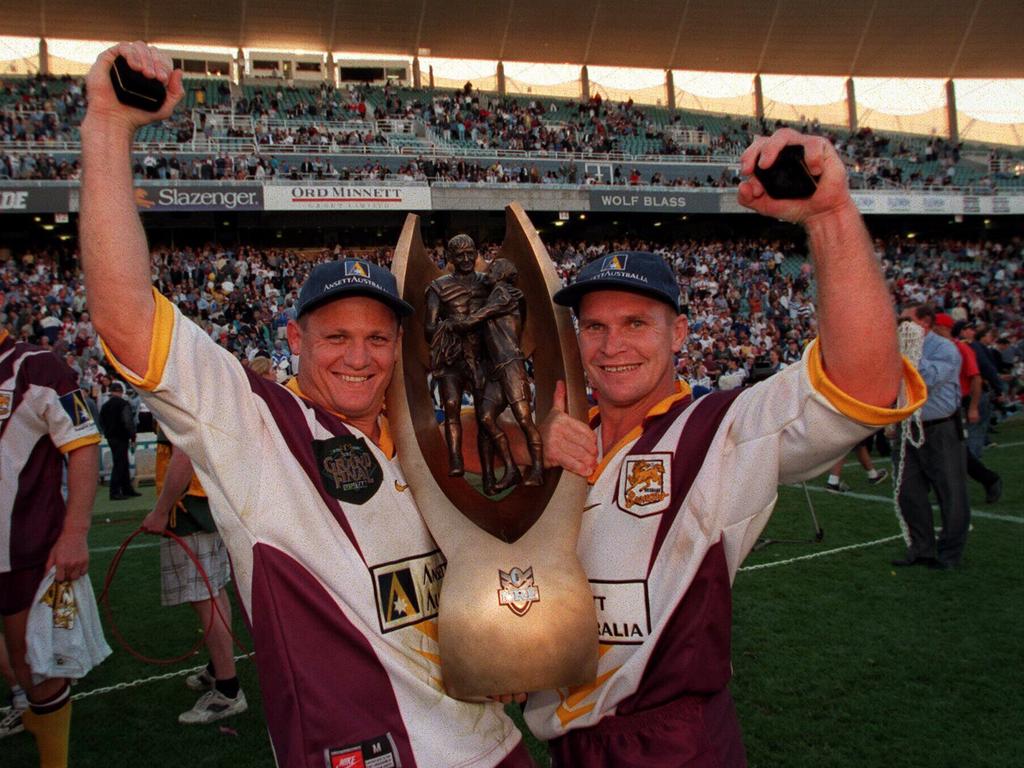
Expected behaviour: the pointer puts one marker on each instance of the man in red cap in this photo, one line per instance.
(972, 394)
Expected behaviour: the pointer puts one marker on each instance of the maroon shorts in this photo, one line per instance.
(689, 732)
(17, 588)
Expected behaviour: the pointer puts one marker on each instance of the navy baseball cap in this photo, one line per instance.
(633, 271)
(351, 277)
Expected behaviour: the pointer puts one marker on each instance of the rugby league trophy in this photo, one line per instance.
(516, 611)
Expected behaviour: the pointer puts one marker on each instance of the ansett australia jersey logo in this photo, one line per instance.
(6, 402)
(518, 591)
(645, 484)
(74, 406)
(408, 591)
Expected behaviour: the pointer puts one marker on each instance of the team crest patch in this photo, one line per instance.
(348, 468)
(645, 484)
(378, 752)
(518, 591)
(6, 403)
(61, 598)
(74, 406)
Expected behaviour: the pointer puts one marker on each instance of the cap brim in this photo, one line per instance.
(571, 295)
(399, 307)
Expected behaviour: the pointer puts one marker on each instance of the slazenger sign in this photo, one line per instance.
(199, 198)
(323, 197)
(35, 200)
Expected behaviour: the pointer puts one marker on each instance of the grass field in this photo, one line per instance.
(840, 659)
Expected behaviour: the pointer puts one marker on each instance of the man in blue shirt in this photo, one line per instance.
(941, 461)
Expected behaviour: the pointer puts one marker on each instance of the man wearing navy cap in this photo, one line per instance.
(335, 567)
(680, 490)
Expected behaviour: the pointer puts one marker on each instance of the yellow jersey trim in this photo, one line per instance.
(81, 442)
(659, 408)
(871, 415)
(159, 347)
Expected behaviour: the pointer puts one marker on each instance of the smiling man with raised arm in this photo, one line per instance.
(336, 569)
(680, 490)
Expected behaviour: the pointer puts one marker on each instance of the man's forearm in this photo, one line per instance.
(83, 474)
(115, 255)
(856, 321)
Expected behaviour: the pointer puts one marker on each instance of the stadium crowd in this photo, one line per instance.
(40, 110)
(748, 301)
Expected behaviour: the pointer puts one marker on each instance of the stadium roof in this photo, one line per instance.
(906, 38)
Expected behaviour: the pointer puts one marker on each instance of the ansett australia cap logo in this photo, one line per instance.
(357, 269)
(617, 261)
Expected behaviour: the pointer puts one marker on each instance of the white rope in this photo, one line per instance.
(143, 681)
(911, 432)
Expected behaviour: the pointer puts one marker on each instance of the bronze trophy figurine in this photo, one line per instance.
(474, 328)
(516, 611)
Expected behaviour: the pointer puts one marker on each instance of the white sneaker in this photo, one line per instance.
(213, 705)
(882, 476)
(10, 723)
(200, 681)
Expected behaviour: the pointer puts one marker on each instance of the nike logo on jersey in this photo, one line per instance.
(590, 507)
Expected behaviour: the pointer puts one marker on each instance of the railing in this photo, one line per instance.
(445, 184)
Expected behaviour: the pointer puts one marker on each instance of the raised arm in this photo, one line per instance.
(115, 255)
(856, 319)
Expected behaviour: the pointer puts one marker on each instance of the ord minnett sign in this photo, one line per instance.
(346, 197)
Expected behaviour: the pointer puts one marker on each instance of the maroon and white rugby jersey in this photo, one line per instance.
(337, 572)
(43, 415)
(673, 510)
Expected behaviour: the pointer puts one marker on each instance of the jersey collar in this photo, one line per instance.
(682, 391)
(385, 443)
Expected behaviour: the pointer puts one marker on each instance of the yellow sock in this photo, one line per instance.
(52, 732)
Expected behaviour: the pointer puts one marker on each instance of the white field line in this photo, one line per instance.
(1014, 518)
(887, 460)
(143, 545)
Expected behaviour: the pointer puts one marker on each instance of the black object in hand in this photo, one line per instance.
(787, 178)
(135, 89)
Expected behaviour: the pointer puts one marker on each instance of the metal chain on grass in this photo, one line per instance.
(911, 432)
(144, 681)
